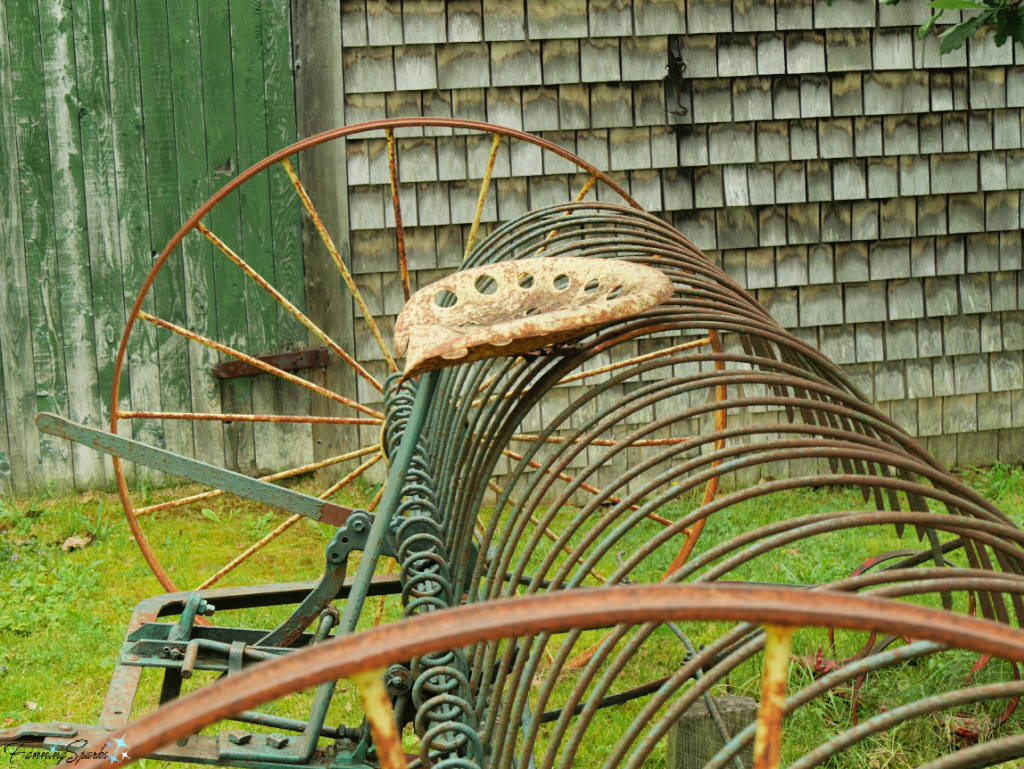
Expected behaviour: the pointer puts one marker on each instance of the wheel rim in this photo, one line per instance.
(363, 416)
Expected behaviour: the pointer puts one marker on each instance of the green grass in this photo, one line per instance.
(63, 615)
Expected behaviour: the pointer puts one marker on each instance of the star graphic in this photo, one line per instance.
(124, 755)
(120, 743)
(113, 758)
(110, 744)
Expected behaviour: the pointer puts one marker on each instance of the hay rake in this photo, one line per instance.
(523, 641)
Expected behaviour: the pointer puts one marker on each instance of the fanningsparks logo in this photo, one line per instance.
(72, 754)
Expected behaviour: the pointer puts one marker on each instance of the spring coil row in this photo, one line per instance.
(445, 720)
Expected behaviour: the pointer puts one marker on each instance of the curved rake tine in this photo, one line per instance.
(584, 486)
(403, 261)
(336, 256)
(292, 309)
(257, 363)
(553, 536)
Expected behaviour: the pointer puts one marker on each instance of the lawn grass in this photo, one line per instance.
(63, 614)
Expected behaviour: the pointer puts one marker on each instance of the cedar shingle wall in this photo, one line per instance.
(864, 188)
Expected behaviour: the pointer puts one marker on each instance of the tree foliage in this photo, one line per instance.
(1006, 15)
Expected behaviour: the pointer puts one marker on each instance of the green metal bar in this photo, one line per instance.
(193, 470)
(389, 502)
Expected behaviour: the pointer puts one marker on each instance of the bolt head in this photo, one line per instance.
(209, 610)
(357, 525)
(64, 727)
(238, 737)
(277, 740)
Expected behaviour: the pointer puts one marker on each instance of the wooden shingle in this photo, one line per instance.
(353, 24)
(709, 16)
(424, 22)
(504, 20)
(856, 13)
(771, 54)
(610, 18)
(515, 63)
(659, 17)
(560, 61)
(369, 70)
(794, 14)
(753, 15)
(600, 61)
(644, 58)
(415, 68)
(384, 23)
(546, 19)
(465, 21)
(574, 107)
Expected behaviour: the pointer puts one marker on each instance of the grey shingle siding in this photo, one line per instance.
(862, 187)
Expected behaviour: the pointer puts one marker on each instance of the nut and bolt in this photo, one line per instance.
(277, 740)
(397, 680)
(173, 652)
(236, 737)
(206, 608)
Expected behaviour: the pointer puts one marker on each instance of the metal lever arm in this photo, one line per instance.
(193, 470)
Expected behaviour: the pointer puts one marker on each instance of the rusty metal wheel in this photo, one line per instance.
(509, 712)
(203, 347)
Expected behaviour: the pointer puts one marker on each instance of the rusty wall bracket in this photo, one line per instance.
(286, 361)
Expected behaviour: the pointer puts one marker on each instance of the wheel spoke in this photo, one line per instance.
(768, 737)
(403, 262)
(485, 185)
(295, 311)
(274, 477)
(286, 524)
(336, 256)
(257, 363)
(304, 419)
(579, 196)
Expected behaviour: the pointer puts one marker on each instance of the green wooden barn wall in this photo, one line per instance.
(117, 121)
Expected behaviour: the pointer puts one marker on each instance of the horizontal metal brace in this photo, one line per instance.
(286, 361)
(193, 470)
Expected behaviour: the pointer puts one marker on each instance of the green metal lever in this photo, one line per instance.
(193, 470)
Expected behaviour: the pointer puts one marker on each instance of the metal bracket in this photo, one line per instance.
(286, 361)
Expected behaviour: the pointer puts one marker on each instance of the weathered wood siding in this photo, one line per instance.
(117, 121)
(867, 191)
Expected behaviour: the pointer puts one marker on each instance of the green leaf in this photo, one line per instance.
(208, 513)
(1012, 22)
(927, 26)
(954, 38)
(956, 5)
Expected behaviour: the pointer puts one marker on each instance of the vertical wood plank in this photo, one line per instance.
(43, 274)
(294, 440)
(193, 190)
(224, 220)
(70, 229)
(15, 338)
(169, 288)
(103, 258)
(140, 388)
(257, 234)
(320, 104)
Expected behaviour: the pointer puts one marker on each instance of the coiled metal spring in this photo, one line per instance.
(445, 720)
